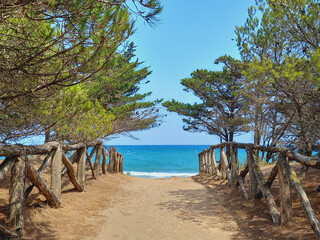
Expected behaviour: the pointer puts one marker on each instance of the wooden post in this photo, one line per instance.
(253, 182)
(56, 172)
(81, 169)
(6, 233)
(296, 183)
(285, 196)
(302, 173)
(211, 166)
(73, 158)
(35, 178)
(234, 167)
(225, 163)
(237, 157)
(115, 165)
(222, 164)
(90, 164)
(214, 160)
(98, 160)
(117, 160)
(16, 202)
(40, 171)
(203, 164)
(71, 173)
(6, 166)
(104, 161)
(273, 175)
(199, 160)
(243, 188)
(209, 159)
(244, 172)
(256, 171)
(121, 163)
(112, 156)
(205, 161)
(89, 160)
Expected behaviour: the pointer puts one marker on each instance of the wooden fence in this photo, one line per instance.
(228, 167)
(17, 163)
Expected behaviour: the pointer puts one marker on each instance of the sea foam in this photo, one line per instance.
(159, 174)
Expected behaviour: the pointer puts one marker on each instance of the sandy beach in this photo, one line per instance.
(117, 206)
(124, 207)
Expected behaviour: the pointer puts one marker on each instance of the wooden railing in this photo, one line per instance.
(17, 162)
(228, 167)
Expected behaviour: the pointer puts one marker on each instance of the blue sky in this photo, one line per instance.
(189, 36)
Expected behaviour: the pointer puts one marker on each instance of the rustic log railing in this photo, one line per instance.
(17, 163)
(258, 185)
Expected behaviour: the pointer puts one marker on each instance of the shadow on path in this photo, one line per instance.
(252, 216)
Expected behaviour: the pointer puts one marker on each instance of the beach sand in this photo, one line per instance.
(118, 206)
(124, 207)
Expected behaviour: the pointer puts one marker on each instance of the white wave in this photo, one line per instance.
(159, 174)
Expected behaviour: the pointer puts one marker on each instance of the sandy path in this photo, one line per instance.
(117, 206)
(175, 208)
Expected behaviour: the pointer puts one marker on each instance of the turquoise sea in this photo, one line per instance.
(160, 161)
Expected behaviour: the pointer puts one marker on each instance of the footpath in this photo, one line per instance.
(117, 206)
(124, 207)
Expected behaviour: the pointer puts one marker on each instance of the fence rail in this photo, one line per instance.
(17, 163)
(228, 167)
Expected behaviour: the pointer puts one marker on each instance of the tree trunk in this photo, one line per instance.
(56, 172)
(309, 144)
(257, 130)
(257, 139)
(47, 136)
